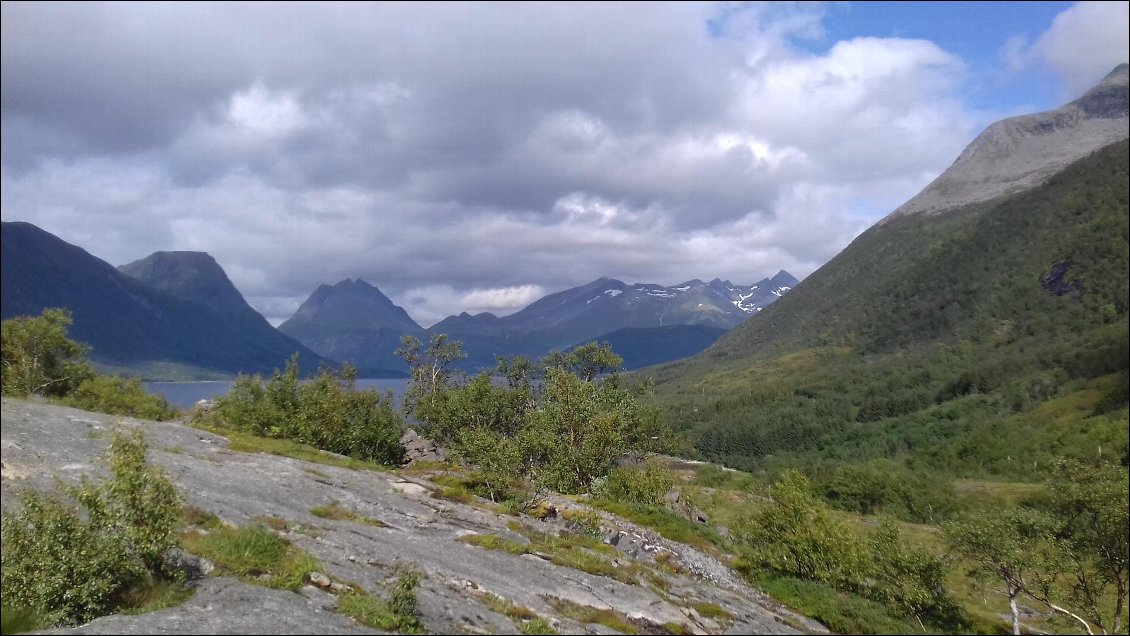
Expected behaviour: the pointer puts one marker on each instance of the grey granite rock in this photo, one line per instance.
(42, 443)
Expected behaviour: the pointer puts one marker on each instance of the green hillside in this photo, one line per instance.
(985, 341)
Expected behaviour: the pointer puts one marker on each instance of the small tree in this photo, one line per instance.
(1014, 547)
(38, 357)
(1091, 505)
(798, 535)
(562, 432)
(587, 361)
(1079, 544)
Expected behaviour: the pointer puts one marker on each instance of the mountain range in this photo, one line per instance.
(354, 321)
(176, 315)
(179, 318)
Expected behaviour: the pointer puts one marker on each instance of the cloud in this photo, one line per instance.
(470, 158)
(501, 300)
(1083, 44)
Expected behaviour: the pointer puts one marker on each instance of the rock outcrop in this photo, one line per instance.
(43, 443)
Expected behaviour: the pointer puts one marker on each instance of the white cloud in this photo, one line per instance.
(1083, 44)
(501, 300)
(471, 158)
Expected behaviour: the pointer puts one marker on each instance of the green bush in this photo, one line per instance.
(327, 412)
(644, 486)
(67, 568)
(562, 428)
(71, 566)
(120, 396)
(885, 486)
(38, 358)
(798, 536)
(397, 613)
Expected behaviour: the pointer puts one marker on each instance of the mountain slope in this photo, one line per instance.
(1018, 153)
(954, 341)
(353, 321)
(131, 326)
(645, 346)
(192, 276)
(579, 314)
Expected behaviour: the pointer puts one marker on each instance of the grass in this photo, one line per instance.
(585, 614)
(16, 620)
(246, 443)
(841, 613)
(457, 494)
(375, 612)
(334, 510)
(495, 542)
(525, 619)
(469, 490)
(397, 613)
(537, 626)
(712, 610)
(612, 619)
(194, 516)
(575, 552)
(667, 524)
(254, 554)
(994, 494)
(155, 594)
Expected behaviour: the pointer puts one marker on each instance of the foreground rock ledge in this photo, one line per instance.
(42, 443)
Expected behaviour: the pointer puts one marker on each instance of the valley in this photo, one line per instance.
(928, 433)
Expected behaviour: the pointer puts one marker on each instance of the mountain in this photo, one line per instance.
(191, 323)
(955, 335)
(1019, 153)
(354, 322)
(644, 346)
(191, 276)
(576, 315)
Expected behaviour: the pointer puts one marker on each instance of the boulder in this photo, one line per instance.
(419, 448)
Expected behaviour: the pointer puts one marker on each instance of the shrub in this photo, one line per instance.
(629, 484)
(397, 613)
(73, 566)
(797, 535)
(38, 358)
(120, 396)
(328, 412)
(562, 428)
(67, 568)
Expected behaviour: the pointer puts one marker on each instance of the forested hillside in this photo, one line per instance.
(986, 341)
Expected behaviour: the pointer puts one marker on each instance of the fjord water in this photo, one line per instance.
(184, 394)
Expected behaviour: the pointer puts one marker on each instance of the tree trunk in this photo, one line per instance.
(1012, 594)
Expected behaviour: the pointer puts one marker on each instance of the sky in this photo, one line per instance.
(476, 157)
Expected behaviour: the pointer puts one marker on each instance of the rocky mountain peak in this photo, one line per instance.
(192, 276)
(1019, 153)
(350, 303)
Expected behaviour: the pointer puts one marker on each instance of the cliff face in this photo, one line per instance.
(42, 443)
